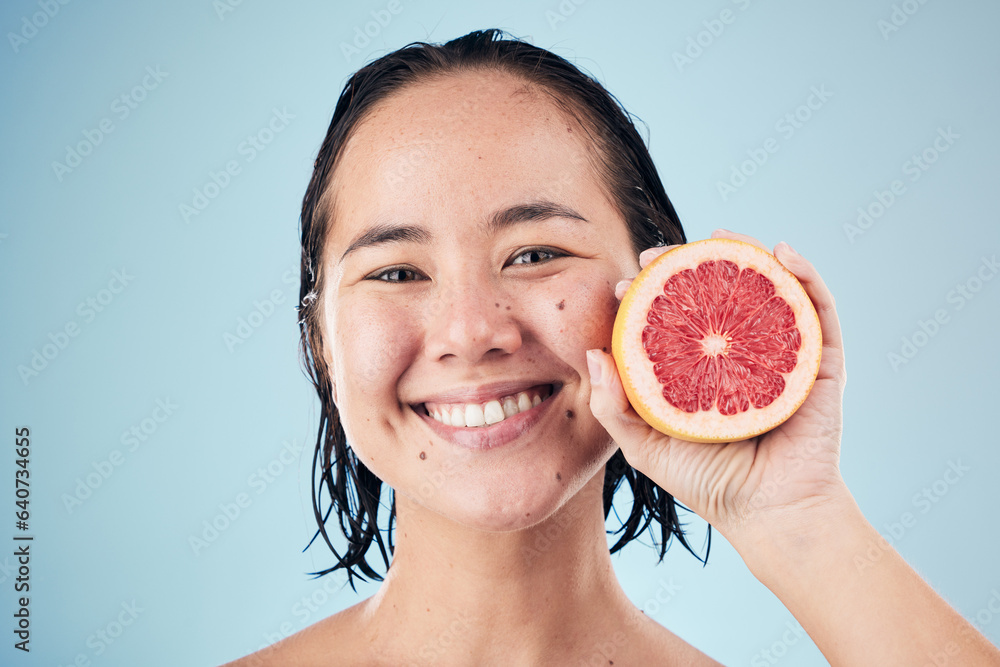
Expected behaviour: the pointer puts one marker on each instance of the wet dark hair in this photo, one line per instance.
(623, 161)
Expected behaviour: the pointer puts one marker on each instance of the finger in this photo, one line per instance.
(612, 409)
(645, 257)
(726, 234)
(649, 254)
(825, 306)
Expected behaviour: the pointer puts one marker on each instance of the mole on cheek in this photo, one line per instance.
(558, 477)
(569, 414)
(423, 456)
(561, 304)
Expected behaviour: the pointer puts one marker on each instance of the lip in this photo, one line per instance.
(487, 392)
(497, 435)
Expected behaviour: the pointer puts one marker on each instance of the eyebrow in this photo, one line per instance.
(385, 233)
(501, 220)
(531, 212)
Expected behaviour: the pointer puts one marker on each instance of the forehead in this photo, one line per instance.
(462, 142)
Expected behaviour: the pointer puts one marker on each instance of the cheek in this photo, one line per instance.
(583, 313)
(582, 317)
(373, 346)
(374, 343)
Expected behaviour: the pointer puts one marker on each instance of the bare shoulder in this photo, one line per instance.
(656, 645)
(339, 636)
(346, 638)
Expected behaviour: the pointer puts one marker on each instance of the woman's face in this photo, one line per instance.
(471, 262)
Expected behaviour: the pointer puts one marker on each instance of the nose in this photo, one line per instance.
(470, 322)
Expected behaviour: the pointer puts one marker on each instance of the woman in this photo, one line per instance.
(475, 214)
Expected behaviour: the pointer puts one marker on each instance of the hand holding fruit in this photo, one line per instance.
(784, 480)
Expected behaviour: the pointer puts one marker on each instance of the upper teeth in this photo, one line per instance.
(485, 414)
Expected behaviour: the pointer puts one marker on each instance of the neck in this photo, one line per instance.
(521, 594)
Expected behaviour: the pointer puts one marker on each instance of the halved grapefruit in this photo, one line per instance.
(716, 341)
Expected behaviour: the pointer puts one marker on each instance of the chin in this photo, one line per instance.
(509, 503)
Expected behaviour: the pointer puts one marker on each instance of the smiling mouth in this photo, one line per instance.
(475, 415)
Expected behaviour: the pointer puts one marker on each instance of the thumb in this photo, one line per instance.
(611, 407)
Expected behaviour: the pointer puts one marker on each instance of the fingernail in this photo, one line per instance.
(724, 231)
(789, 248)
(594, 366)
(649, 253)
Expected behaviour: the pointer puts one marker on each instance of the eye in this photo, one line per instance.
(396, 274)
(536, 256)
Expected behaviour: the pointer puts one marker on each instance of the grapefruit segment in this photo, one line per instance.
(716, 341)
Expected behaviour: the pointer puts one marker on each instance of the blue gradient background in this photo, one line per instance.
(162, 336)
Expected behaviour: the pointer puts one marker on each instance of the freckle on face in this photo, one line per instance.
(552, 340)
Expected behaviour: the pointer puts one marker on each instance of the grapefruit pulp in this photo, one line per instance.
(716, 341)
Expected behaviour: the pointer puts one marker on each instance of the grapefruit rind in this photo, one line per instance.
(644, 391)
